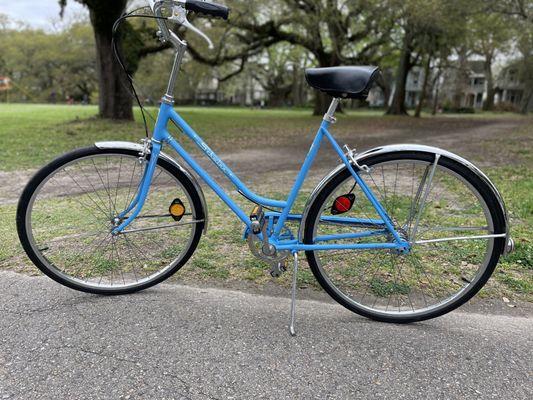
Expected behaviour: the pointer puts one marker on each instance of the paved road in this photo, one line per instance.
(174, 342)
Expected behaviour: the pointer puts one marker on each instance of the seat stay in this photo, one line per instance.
(364, 187)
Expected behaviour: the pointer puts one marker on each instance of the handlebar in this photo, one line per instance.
(204, 7)
(179, 15)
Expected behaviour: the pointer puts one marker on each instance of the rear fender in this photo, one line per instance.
(361, 157)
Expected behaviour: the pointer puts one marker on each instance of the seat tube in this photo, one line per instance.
(309, 158)
(328, 119)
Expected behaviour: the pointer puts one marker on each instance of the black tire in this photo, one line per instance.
(40, 177)
(496, 212)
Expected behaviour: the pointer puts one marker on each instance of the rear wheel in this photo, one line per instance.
(438, 274)
(67, 212)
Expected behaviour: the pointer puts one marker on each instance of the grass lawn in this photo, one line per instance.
(32, 135)
(35, 134)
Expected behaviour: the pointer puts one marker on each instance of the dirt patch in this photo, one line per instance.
(268, 162)
(12, 183)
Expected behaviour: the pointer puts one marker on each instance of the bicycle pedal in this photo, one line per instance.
(278, 269)
(257, 217)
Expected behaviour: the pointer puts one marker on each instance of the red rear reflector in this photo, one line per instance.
(343, 203)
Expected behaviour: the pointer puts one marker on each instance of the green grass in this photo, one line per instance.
(34, 134)
(385, 289)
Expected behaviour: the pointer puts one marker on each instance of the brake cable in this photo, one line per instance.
(130, 80)
(118, 57)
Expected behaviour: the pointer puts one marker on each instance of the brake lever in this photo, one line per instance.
(179, 15)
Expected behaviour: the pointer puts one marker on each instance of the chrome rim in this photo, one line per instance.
(435, 273)
(73, 210)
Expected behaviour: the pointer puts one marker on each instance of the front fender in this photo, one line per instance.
(411, 147)
(138, 147)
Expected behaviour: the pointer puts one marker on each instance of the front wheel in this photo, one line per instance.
(451, 258)
(68, 209)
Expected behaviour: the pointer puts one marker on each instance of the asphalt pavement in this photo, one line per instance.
(179, 342)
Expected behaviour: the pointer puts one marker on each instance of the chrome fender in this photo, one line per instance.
(411, 147)
(138, 148)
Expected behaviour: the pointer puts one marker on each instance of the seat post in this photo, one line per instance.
(329, 116)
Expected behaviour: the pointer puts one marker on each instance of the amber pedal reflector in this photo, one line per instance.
(176, 209)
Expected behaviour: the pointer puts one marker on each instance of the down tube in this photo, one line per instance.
(210, 181)
(187, 130)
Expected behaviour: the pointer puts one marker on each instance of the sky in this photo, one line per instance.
(39, 13)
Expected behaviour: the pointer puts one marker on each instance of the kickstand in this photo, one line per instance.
(293, 297)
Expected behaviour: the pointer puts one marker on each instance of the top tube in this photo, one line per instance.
(167, 112)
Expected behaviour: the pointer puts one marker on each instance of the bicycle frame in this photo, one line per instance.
(162, 136)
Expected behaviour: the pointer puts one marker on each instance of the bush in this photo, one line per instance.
(459, 110)
(447, 107)
(505, 106)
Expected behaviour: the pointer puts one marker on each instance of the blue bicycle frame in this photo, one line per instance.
(162, 136)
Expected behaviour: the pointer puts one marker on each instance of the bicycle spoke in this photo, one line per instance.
(106, 213)
(449, 226)
(128, 202)
(105, 188)
(71, 223)
(77, 199)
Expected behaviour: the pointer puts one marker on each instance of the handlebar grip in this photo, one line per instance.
(204, 7)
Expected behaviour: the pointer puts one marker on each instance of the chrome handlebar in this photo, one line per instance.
(178, 15)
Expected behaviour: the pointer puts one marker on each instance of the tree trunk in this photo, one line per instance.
(115, 100)
(488, 104)
(322, 102)
(461, 77)
(436, 87)
(435, 102)
(397, 106)
(424, 87)
(527, 98)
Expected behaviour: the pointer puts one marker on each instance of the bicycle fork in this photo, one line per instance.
(136, 205)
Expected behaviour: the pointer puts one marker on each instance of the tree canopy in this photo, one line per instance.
(270, 44)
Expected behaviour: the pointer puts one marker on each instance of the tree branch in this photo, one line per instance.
(236, 72)
(147, 50)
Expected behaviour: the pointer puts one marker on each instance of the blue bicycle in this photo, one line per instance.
(398, 233)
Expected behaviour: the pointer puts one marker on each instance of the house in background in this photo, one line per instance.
(472, 84)
(509, 88)
(250, 93)
(413, 90)
(413, 87)
(244, 91)
(469, 87)
(376, 97)
(208, 93)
